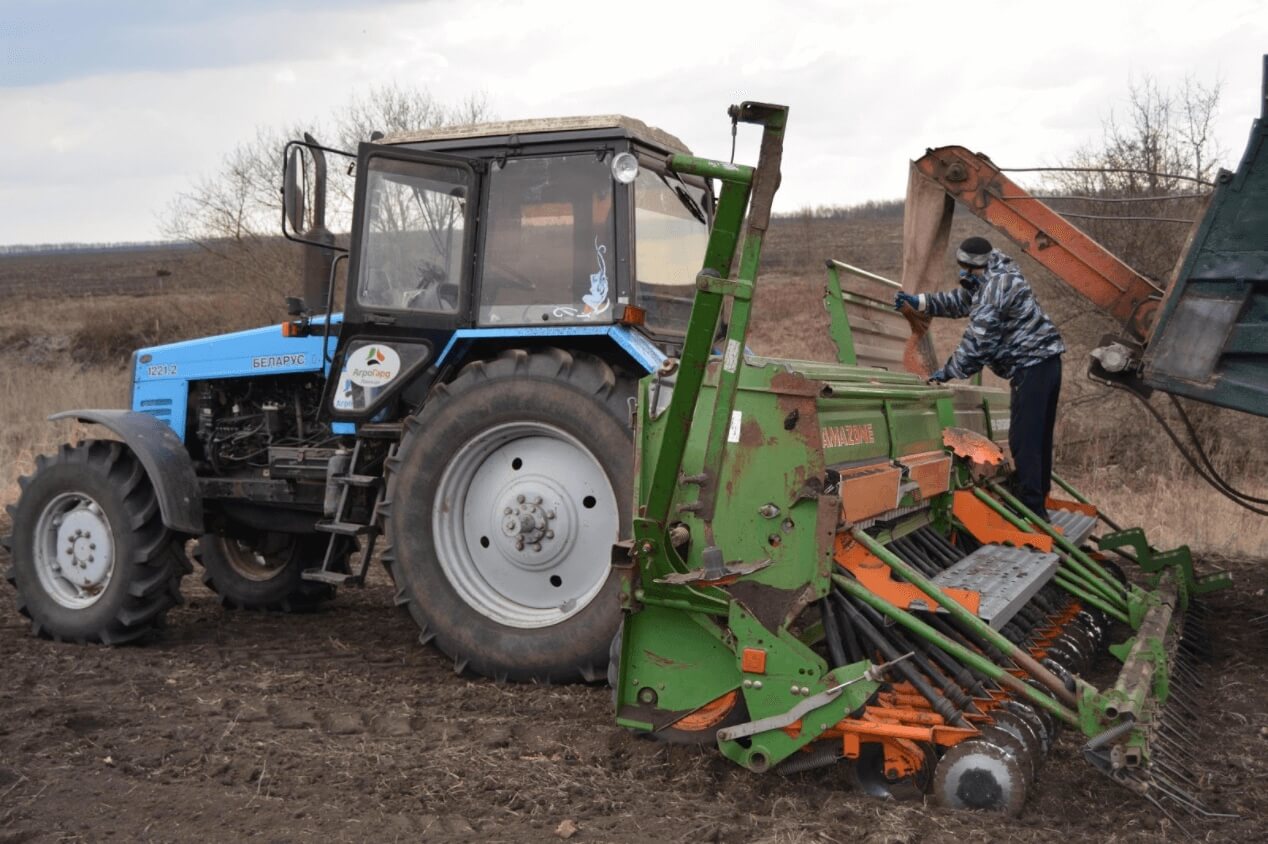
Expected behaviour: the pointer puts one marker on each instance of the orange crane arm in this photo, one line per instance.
(1044, 235)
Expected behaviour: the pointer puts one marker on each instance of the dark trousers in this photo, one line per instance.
(1035, 391)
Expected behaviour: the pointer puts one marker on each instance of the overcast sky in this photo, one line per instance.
(110, 109)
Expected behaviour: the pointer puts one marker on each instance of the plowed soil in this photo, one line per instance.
(339, 726)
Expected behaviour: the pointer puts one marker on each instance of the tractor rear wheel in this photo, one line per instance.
(261, 570)
(92, 561)
(511, 485)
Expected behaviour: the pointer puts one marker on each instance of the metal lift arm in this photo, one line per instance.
(1043, 234)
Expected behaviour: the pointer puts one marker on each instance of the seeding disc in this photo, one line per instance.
(1051, 724)
(1019, 749)
(977, 774)
(1019, 723)
(1082, 637)
(867, 774)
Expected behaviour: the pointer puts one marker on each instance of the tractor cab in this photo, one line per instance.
(548, 227)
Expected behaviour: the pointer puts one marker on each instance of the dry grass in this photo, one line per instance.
(60, 354)
(1175, 508)
(28, 401)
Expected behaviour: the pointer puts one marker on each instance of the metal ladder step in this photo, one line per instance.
(343, 528)
(1005, 577)
(334, 578)
(337, 526)
(380, 430)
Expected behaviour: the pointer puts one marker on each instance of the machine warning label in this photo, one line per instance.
(840, 436)
(372, 366)
(275, 361)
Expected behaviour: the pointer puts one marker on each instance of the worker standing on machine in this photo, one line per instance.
(1011, 334)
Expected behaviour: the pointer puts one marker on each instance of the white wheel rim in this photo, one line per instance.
(74, 550)
(252, 564)
(522, 523)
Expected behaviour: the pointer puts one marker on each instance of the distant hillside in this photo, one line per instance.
(94, 248)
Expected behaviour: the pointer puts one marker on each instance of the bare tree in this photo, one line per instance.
(235, 213)
(1199, 105)
(1147, 174)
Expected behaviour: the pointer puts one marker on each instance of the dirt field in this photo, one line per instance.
(339, 726)
(84, 271)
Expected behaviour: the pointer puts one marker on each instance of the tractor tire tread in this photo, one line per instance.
(154, 568)
(584, 372)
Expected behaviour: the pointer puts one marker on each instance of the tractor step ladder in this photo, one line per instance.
(342, 525)
(1006, 578)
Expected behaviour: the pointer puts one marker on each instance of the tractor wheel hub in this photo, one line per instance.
(535, 522)
(528, 522)
(74, 553)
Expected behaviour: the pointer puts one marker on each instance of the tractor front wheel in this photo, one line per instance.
(92, 561)
(512, 484)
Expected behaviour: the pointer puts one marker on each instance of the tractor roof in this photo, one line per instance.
(628, 126)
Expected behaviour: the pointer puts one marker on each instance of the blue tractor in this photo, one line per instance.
(470, 408)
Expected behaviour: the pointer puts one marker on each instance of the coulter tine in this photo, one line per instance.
(1180, 797)
(1181, 744)
(1148, 790)
(1176, 733)
(1173, 755)
(1173, 771)
(1190, 676)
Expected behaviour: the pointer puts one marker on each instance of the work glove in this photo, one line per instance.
(939, 376)
(901, 298)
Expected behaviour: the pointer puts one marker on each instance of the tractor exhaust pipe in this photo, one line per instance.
(318, 261)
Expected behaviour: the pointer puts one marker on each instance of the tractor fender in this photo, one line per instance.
(164, 458)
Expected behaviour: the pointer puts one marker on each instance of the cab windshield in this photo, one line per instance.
(670, 239)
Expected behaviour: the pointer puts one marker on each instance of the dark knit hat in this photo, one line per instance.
(974, 252)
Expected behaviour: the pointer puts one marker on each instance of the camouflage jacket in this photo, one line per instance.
(1007, 329)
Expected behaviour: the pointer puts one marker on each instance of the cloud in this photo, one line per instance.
(110, 109)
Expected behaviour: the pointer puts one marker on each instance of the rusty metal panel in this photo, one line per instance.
(930, 471)
(869, 491)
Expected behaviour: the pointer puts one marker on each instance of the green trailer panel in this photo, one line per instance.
(1211, 341)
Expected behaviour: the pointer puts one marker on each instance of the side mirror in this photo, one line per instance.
(293, 198)
(295, 306)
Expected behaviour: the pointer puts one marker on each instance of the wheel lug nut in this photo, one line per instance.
(92, 546)
(550, 514)
(537, 500)
(537, 546)
(508, 511)
(519, 499)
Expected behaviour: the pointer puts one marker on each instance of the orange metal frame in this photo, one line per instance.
(875, 575)
(989, 527)
(1046, 236)
(1072, 506)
